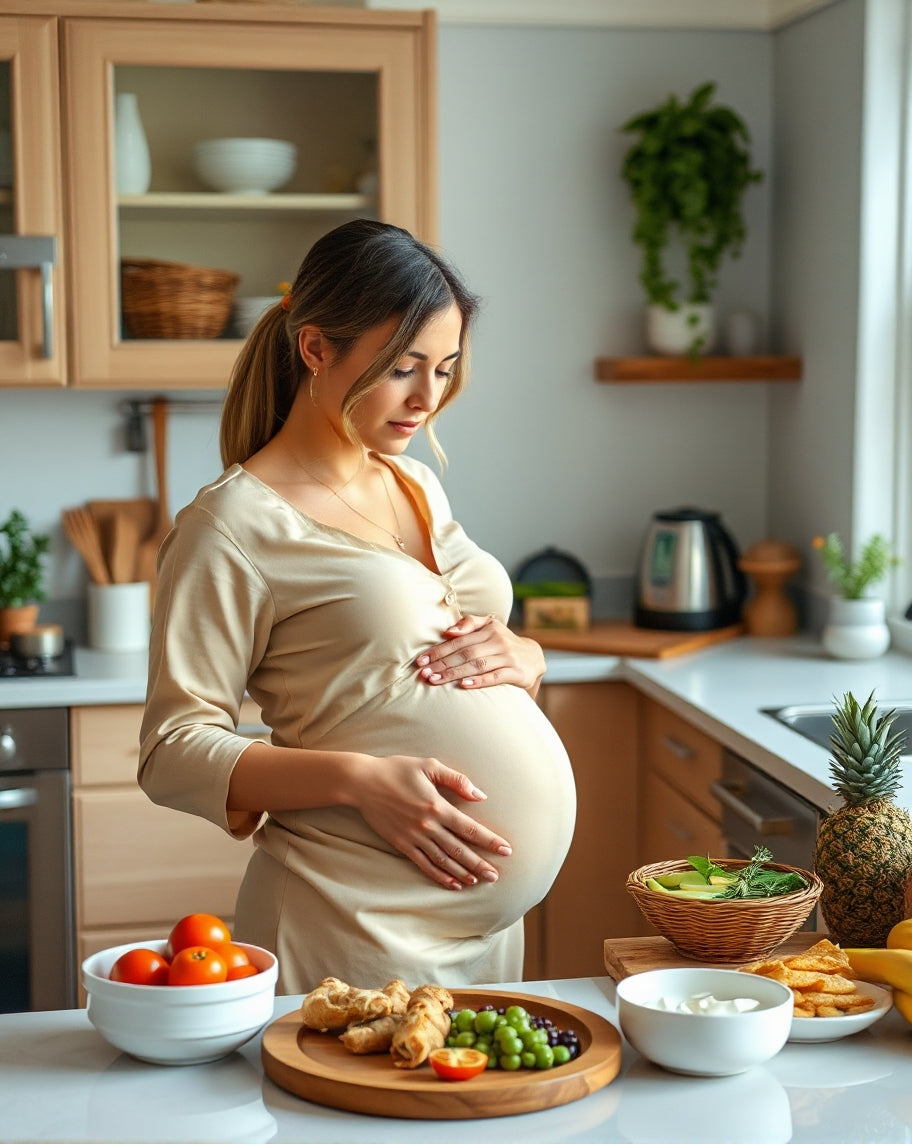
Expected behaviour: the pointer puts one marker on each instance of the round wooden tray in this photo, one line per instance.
(317, 1067)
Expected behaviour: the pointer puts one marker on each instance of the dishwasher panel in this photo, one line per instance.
(758, 810)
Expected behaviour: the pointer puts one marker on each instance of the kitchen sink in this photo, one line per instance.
(815, 722)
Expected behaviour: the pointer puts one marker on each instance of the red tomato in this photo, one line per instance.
(197, 965)
(140, 967)
(197, 929)
(234, 955)
(238, 971)
(458, 1064)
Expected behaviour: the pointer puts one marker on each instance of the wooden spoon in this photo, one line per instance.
(147, 555)
(82, 531)
(124, 545)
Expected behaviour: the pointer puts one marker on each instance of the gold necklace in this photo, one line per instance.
(396, 536)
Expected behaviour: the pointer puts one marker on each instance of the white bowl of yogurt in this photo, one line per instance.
(704, 1022)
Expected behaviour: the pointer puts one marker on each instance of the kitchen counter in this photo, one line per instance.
(723, 689)
(62, 1082)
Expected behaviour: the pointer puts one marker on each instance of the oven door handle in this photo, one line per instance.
(17, 798)
(757, 822)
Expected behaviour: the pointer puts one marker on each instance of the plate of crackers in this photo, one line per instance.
(829, 1003)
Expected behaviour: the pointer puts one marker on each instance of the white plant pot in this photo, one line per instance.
(673, 332)
(856, 629)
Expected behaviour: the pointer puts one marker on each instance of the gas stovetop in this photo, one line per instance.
(18, 667)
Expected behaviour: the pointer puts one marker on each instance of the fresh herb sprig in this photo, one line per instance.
(752, 880)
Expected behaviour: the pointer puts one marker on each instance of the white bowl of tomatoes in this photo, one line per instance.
(174, 1004)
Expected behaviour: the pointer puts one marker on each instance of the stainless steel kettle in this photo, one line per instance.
(688, 577)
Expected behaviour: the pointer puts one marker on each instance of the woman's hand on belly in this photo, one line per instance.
(399, 797)
(480, 651)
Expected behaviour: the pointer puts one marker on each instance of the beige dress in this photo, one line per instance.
(323, 629)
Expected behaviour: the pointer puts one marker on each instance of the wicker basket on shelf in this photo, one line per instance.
(735, 930)
(174, 299)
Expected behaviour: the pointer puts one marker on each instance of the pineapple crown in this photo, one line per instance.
(865, 762)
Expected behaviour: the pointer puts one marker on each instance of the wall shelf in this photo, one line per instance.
(628, 370)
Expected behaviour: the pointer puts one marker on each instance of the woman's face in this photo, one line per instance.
(396, 409)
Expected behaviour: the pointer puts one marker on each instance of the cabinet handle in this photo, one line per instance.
(678, 748)
(18, 798)
(757, 822)
(34, 252)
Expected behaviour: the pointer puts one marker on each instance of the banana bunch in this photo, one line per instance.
(890, 966)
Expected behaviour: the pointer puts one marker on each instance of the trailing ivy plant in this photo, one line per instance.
(21, 562)
(687, 173)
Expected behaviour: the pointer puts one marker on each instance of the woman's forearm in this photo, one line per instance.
(290, 778)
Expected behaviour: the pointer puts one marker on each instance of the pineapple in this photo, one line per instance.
(864, 850)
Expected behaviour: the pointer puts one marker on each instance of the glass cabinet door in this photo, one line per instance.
(32, 303)
(177, 243)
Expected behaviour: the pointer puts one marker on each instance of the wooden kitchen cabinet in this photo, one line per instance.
(138, 867)
(565, 934)
(679, 815)
(353, 89)
(32, 307)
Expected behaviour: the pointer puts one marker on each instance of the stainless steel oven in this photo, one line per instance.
(757, 810)
(37, 969)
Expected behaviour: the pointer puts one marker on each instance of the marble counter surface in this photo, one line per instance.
(59, 1081)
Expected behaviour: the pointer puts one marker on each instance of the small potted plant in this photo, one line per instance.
(687, 172)
(856, 628)
(22, 573)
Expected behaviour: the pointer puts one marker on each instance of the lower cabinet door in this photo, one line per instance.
(674, 828)
(139, 864)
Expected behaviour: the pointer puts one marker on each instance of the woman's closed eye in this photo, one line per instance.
(441, 374)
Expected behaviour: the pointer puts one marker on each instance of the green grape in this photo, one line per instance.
(561, 1054)
(485, 1021)
(544, 1057)
(466, 1040)
(510, 1062)
(528, 1059)
(516, 1012)
(465, 1019)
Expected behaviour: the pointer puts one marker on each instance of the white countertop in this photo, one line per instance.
(722, 689)
(62, 1082)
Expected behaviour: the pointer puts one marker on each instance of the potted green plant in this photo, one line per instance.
(22, 573)
(687, 172)
(856, 627)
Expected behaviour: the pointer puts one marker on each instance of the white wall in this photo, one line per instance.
(534, 211)
(818, 85)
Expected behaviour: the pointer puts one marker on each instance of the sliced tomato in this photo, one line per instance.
(458, 1064)
(197, 965)
(140, 967)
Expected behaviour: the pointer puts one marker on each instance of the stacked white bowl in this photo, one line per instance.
(245, 166)
(249, 310)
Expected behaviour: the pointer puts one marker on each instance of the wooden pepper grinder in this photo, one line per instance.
(770, 564)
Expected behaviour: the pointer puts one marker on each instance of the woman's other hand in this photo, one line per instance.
(480, 651)
(403, 804)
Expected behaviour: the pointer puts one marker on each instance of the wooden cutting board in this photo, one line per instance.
(625, 956)
(610, 637)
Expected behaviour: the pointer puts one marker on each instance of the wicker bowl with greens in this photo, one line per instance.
(755, 913)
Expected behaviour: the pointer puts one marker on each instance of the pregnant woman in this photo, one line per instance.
(413, 802)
